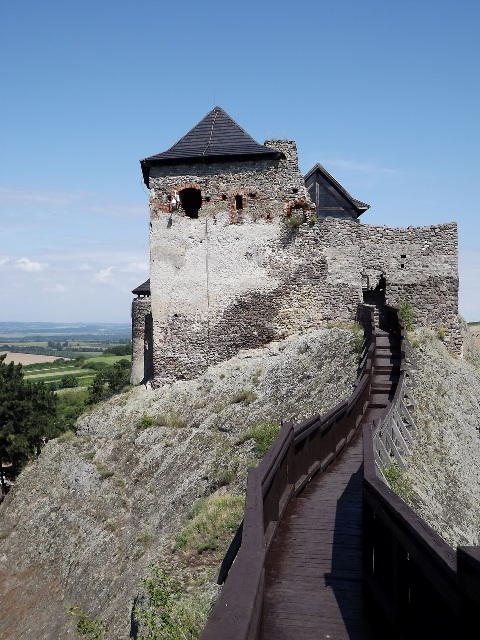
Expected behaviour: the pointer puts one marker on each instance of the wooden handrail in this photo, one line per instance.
(418, 586)
(299, 451)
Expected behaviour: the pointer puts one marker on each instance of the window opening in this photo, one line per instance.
(238, 202)
(191, 201)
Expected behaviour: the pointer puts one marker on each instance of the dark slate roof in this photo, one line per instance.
(215, 138)
(143, 289)
(357, 204)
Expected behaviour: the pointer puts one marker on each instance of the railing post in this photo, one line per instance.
(468, 580)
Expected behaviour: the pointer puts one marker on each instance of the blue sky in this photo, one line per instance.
(386, 95)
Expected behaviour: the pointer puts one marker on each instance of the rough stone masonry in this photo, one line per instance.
(251, 264)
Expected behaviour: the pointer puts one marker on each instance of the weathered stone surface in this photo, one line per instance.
(444, 469)
(219, 287)
(84, 522)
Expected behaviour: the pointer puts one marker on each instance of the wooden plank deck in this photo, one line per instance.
(313, 574)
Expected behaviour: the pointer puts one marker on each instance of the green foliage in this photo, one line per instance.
(263, 435)
(212, 519)
(27, 416)
(295, 219)
(109, 379)
(405, 310)
(70, 405)
(397, 481)
(358, 338)
(119, 350)
(165, 615)
(87, 627)
(145, 422)
(441, 333)
(68, 382)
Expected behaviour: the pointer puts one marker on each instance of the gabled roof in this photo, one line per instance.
(215, 138)
(360, 206)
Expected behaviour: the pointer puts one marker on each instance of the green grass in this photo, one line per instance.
(108, 359)
(263, 436)
(398, 481)
(246, 395)
(212, 519)
(49, 377)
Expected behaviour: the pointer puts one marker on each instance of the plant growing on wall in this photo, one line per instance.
(405, 310)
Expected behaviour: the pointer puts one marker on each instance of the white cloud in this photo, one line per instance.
(135, 266)
(57, 288)
(3, 261)
(84, 267)
(30, 265)
(103, 276)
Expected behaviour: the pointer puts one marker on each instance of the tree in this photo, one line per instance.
(68, 382)
(27, 417)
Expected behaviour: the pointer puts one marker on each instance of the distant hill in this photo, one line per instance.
(39, 331)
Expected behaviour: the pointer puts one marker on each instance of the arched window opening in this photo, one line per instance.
(238, 202)
(191, 201)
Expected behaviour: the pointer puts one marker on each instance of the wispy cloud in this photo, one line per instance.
(133, 267)
(103, 276)
(25, 264)
(57, 288)
(3, 261)
(31, 200)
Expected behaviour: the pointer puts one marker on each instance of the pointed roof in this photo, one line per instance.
(360, 206)
(143, 289)
(216, 138)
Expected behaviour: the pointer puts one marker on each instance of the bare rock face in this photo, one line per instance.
(444, 470)
(85, 521)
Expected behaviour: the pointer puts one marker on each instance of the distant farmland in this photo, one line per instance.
(27, 358)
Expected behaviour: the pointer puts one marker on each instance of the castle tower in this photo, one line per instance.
(217, 201)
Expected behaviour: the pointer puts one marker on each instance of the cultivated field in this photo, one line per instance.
(475, 331)
(27, 358)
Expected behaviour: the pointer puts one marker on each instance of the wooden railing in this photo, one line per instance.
(298, 452)
(415, 583)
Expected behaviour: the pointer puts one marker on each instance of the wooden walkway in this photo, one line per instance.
(313, 573)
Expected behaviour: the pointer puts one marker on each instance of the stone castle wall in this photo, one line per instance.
(236, 279)
(221, 287)
(268, 187)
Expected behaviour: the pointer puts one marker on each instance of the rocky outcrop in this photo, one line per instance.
(444, 469)
(85, 521)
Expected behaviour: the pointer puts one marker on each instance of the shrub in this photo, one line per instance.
(88, 627)
(295, 219)
(405, 310)
(441, 333)
(397, 481)
(68, 382)
(145, 422)
(263, 435)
